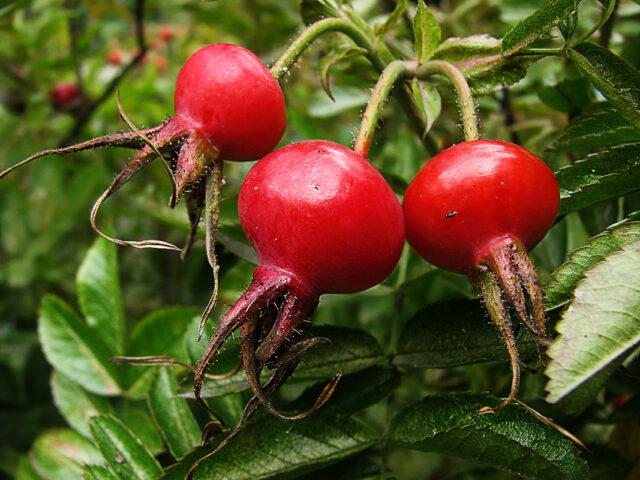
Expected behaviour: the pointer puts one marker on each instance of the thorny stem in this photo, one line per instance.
(397, 69)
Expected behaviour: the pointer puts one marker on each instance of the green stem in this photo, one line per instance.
(309, 35)
(466, 103)
(607, 13)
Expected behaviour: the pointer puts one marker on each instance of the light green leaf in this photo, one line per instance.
(600, 327)
(511, 439)
(301, 446)
(100, 296)
(25, 471)
(599, 176)
(613, 76)
(396, 15)
(344, 99)
(336, 56)
(600, 125)
(428, 101)
(122, 450)
(74, 349)
(172, 415)
(537, 24)
(454, 333)
(61, 454)
(136, 417)
(427, 32)
(564, 279)
(162, 333)
(75, 404)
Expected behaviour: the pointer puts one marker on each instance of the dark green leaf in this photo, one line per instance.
(568, 96)
(599, 176)
(336, 56)
(25, 471)
(613, 76)
(315, 10)
(61, 454)
(599, 329)
(428, 101)
(75, 404)
(511, 439)
(598, 126)
(74, 349)
(454, 333)
(537, 24)
(396, 15)
(136, 417)
(162, 332)
(123, 452)
(426, 31)
(364, 466)
(172, 415)
(559, 290)
(98, 472)
(286, 449)
(99, 294)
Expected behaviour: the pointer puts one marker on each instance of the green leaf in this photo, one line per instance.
(162, 332)
(427, 32)
(25, 471)
(428, 101)
(98, 472)
(599, 176)
(136, 417)
(286, 449)
(336, 56)
(74, 349)
(613, 76)
(315, 10)
(344, 99)
(75, 404)
(600, 125)
(559, 290)
(122, 450)
(479, 58)
(454, 333)
(100, 296)
(396, 15)
(172, 415)
(511, 439)
(569, 95)
(537, 24)
(598, 330)
(349, 351)
(61, 454)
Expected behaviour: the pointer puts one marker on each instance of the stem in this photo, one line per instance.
(466, 102)
(608, 12)
(389, 76)
(309, 35)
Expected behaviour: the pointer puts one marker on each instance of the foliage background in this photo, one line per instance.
(45, 234)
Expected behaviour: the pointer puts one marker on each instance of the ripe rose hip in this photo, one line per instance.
(477, 208)
(64, 95)
(114, 57)
(322, 220)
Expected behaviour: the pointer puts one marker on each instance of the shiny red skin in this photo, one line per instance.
(322, 215)
(226, 95)
(474, 196)
(63, 94)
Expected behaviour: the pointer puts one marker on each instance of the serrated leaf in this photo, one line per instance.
(315, 10)
(333, 58)
(349, 351)
(159, 333)
(99, 294)
(98, 472)
(428, 101)
(559, 290)
(293, 448)
(600, 125)
(479, 58)
(599, 176)
(172, 415)
(396, 15)
(599, 329)
(122, 450)
(511, 439)
(454, 333)
(61, 454)
(537, 24)
(74, 349)
(613, 76)
(75, 404)
(427, 32)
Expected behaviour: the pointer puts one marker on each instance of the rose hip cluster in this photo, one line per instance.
(322, 219)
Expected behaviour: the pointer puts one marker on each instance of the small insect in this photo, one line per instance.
(450, 214)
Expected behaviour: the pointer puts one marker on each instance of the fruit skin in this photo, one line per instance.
(64, 95)
(475, 196)
(322, 213)
(226, 95)
(114, 57)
